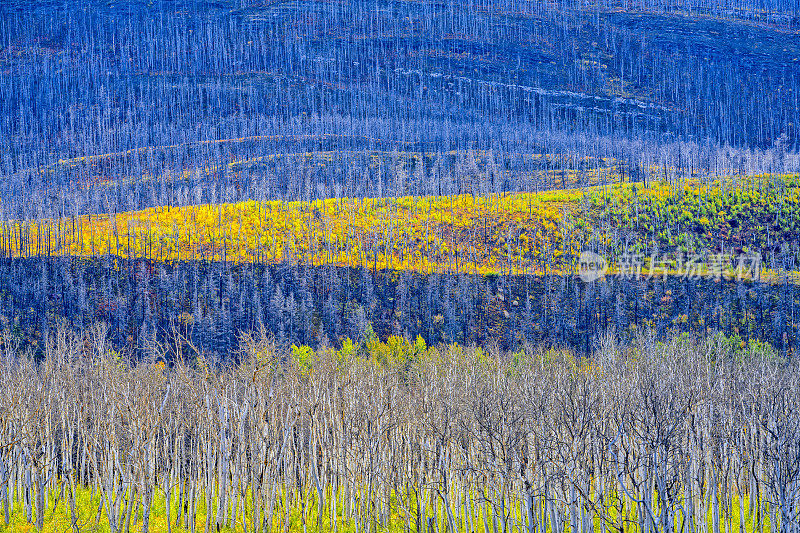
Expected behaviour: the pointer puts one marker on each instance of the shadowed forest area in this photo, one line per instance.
(192, 309)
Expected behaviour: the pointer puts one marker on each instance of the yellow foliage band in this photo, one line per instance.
(516, 233)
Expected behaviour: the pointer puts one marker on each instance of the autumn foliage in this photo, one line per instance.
(521, 233)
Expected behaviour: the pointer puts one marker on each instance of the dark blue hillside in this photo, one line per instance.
(209, 305)
(172, 87)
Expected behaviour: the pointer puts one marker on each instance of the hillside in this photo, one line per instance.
(547, 87)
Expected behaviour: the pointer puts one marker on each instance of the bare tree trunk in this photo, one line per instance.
(39, 499)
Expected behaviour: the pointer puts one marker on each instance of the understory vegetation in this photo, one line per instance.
(511, 234)
(688, 434)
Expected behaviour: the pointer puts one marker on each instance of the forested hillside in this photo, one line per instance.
(186, 172)
(143, 104)
(383, 266)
